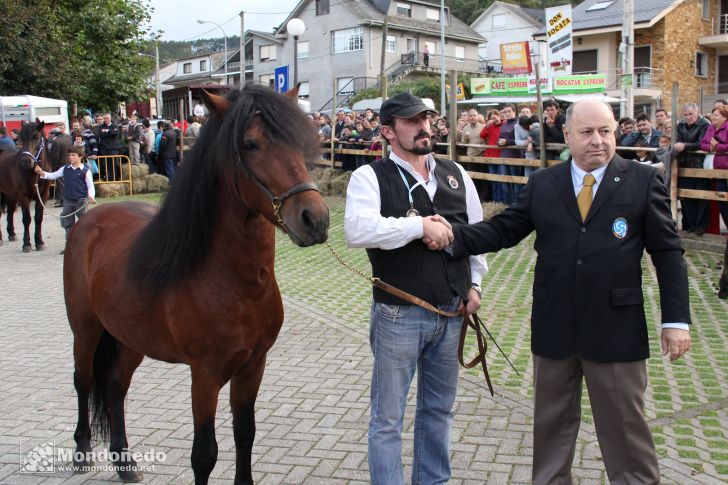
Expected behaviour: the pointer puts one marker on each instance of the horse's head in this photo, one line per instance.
(33, 145)
(272, 141)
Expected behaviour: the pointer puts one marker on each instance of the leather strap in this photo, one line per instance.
(472, 321)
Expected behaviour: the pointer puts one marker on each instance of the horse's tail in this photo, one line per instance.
(104, 356)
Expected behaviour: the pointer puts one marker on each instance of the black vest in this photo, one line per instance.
(74, 181)
(430, 275)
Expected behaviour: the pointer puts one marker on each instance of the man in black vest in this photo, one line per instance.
(594, 217)
(391, 205)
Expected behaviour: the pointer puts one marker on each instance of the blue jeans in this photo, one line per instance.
(170, 166)
(405, 338)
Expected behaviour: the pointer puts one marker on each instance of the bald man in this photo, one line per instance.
(594, 216)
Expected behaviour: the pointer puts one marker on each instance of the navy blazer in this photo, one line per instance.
(587, 290)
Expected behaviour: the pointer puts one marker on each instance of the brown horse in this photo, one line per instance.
(18, 182)
(194, 282)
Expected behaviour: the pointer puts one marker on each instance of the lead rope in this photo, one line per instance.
(469, 321)
(63, 216)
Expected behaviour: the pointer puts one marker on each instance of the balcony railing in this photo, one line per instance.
(719, 25)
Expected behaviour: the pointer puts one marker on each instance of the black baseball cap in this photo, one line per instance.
(402, 105)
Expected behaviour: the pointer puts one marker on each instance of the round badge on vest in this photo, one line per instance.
(453, 182)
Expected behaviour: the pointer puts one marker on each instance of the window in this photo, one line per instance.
(267, 80)
(585, 62)
(304, 90)
(499, 20)
(48, 111)
(322, 7)
(701, 64)
(599, 6)
(345, 85)
(268, 52)
(391, 43)
(460, 53)
(203, 65)
(431, 47)
(404, 9)
(706, 9)
(302, 49)
(187, 68)
(433, 14)
(348, 40)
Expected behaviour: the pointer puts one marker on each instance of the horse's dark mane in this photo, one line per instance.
(177, 240)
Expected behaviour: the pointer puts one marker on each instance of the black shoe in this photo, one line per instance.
(58, 204)
(689, 230)
(699, 232)
(63, 251)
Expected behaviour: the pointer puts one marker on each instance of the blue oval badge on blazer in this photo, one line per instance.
(619, 227)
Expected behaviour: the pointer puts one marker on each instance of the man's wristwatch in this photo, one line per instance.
(477, 289)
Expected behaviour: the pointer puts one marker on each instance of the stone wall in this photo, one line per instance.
(674, 41)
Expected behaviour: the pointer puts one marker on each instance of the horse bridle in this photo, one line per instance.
(36, 157)
(277, 200)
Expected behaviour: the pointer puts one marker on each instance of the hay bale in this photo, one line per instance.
(156, 183)
(111, 190)
(491, 209)
(125, 171)
(338, 184)
(139, 171)
(138, 185)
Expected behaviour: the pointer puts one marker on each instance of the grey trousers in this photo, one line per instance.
(616, 393)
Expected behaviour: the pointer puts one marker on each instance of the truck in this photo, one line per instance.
(16, 110)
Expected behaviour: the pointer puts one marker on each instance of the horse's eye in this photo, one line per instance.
(250, 144)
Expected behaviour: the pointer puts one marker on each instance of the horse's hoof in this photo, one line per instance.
(82, 466)
(27, 249)
(40, 247)
(13, 238)
(129, 473)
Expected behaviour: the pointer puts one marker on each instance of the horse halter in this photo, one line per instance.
(277, 200)
(36, 157)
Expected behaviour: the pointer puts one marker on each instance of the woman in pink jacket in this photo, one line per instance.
(716, 141)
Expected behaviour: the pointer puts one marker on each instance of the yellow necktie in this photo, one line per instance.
(584, 199)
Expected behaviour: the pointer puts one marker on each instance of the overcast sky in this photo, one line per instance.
(178, 19)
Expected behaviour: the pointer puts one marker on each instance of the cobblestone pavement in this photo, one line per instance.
(312, 409)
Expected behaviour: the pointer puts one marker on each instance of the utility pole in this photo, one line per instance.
(242, 50)
(626, 48)
(443, 96)
(382, 74)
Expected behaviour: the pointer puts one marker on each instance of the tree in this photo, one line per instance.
(75, 50)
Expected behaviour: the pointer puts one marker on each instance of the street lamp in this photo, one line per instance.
(225, 40)
(295, 27)
(158, 80)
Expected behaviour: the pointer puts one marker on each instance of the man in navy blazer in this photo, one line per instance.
(588, 320)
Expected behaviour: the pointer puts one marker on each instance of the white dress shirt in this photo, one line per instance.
(577, 177)
(91, 190)
(365, 227)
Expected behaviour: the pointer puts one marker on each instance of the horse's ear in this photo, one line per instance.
(39, 125)
(217, 104)
(293, 93)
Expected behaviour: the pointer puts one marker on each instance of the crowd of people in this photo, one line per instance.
(151, 142)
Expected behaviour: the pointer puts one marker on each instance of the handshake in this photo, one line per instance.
(436, 232)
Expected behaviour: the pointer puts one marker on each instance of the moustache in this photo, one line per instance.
(422, 134)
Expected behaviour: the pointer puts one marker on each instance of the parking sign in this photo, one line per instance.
(281, 75)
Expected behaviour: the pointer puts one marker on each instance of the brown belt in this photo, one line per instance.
(472, 321)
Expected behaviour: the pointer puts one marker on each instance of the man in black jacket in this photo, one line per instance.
(553, 126)
(690, 131)
(588, 320)
(108, 138)
(58, 157)
(168, 150)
